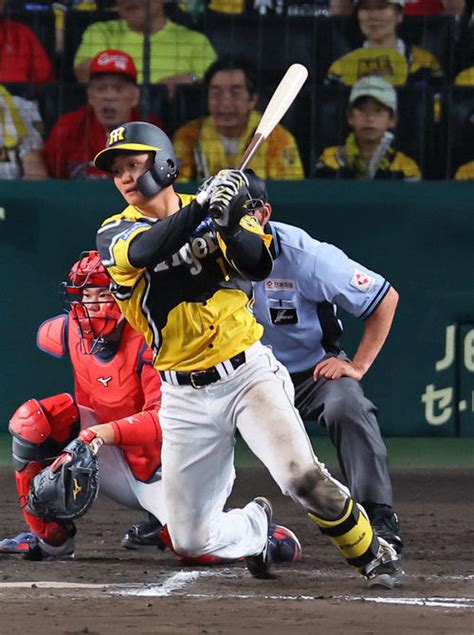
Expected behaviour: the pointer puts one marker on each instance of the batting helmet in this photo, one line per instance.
(139, 136)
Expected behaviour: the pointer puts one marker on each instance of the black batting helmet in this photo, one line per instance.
(139, 136)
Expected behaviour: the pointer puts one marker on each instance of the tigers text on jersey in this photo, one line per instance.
(194, 308)
(297, 304)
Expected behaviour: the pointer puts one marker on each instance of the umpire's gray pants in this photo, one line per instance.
(351, 421)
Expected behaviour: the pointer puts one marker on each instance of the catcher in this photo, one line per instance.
(114, 382)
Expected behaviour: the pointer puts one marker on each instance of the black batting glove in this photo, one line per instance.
(227, 198)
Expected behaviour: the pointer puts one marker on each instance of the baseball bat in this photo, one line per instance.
(284, 95)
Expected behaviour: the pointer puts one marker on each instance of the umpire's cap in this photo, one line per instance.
(257, 190)
(139, 136)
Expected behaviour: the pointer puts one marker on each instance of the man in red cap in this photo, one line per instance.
(77, 136)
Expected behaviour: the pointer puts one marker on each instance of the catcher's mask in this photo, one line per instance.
(96, 318)
(139, 136)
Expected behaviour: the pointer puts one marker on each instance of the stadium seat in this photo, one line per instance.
(154, 100)
(56, 99)
(189, 103)
(414, 132)
(272, 43)
(457, 128)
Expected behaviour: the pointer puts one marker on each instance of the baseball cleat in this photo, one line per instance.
(21, 544)
(385, 569)
(284, 545)
(260, 565)
(144, 534)
(387, 526)
(43, 551)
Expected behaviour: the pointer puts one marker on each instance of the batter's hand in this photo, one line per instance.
(227, 198)
(334, 368)
(205, 190)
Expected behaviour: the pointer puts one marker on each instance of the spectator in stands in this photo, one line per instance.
(178, 55)
(77, 136)
(465, 172)
(399, 62)
(369, 151)
(208, 144)
(21, 144)
(22, 57)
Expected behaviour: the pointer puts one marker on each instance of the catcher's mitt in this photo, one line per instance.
(68, 487)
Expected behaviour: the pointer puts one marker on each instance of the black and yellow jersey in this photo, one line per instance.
(394, 165)
(193, 306)
(405, 64)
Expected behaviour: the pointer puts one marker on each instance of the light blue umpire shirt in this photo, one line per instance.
(297, 304)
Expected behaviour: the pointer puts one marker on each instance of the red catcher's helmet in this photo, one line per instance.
(95, 320)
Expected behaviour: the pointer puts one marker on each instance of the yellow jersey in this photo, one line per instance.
(194, 308)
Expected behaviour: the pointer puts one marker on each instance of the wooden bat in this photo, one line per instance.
(284, 95)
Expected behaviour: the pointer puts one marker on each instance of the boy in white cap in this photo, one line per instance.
(369, 152)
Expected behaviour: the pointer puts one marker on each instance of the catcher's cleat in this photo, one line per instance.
(261, 564)
(387, 526)
(21, 544)
(144, 534)
(284, 546)
(44, 551)
(385, 569)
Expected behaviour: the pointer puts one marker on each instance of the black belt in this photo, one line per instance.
(201, 378)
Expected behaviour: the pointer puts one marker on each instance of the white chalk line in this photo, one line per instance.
(457, 603)
(179, 581)
(175, 583)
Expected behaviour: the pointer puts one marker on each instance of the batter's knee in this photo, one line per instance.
(318, 492)
(190, 541)
(41, 429)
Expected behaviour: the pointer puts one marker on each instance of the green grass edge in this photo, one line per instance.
(403, 452)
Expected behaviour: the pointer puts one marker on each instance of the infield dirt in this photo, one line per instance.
(111, 590)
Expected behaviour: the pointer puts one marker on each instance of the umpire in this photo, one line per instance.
(297, 306)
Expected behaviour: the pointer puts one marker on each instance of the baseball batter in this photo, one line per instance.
(181, 270)
(113, 377)
(297, 306)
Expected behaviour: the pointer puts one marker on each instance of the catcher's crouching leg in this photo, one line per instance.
(40, 430)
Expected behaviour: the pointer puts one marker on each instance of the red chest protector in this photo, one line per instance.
(112, 389)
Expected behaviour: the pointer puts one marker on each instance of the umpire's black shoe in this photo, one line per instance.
(386, 525)
(261, 564)
(144, 534)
